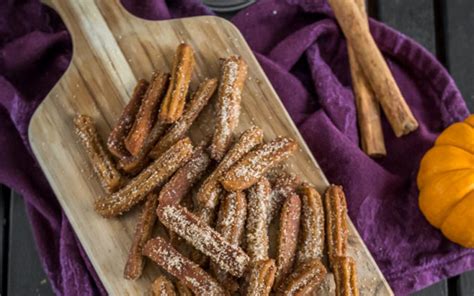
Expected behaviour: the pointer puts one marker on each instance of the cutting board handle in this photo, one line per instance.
(96, 18)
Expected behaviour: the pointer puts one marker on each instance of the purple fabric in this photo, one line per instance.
(304, 54)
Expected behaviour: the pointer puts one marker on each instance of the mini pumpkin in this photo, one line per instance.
(446, 183)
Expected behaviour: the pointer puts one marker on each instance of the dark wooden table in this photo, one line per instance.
(443, 27)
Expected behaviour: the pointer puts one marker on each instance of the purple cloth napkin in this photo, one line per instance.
(304, 54)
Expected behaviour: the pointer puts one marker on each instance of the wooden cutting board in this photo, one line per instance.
(112, 50)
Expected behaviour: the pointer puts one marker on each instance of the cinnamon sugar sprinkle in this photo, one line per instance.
(257, 221)
(227, 256)
(305, 278)
(154, 175)
(312, 225)
(232, 217)
(100, 160)
(234, 72)
(264, 158)
(283, 184)
(179, 266)
(209, 192)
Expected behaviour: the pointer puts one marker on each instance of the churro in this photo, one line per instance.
(146, 116)
(101, 162)
(345, 276)
(162, 286)
(208, 216)
(312, 225)
(209, 192)
(250, 168)
(287, 236)
(336, 223)
(116, 139)
(227, 256)
(257, 221)
(233, 75)
(135, 163)
(230, 224)
(179, 129)
(146, 221)
(304, 279)
(262, 276)
(185, 177)
(150, 178)
(283, 183)
(186, 271)
(182, 290)
(173, 104)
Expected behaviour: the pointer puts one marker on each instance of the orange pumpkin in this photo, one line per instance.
(446, 183)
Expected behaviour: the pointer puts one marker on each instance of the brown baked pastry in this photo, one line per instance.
(173, 104)
(287, 236)
(185, 177)
(134, 164)
(250, 168)
(345, 276)
(227, 256)
(283, 183)
(262, 276)
(175, 240)
(152, 177)
(312, 232)
(179, 129)
(257, 221)
(304, 279)
(233, 75)
(116, 139)
(208, 216)
(101, 162)
(186, 271)
(162, 286)
(182, 289)
(210, 190)
(146, 222)
(336, 222)
(230, 224)
(146, 116)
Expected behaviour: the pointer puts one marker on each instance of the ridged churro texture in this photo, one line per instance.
(179, 129)
(210, 190)
(336, 222)
(255, 164)
(143, 231)
(116, 139)
(162, 286)
(189, 273)
(101, 161)
(233, 75)
(173, 104)
(345, 276)
(288, 236)
(257, 222)
(153, 176)
(231, 225)
(227, 256)
(262, 276)
(303, 280)
(312, 233)
(185, 178)
(146, 116)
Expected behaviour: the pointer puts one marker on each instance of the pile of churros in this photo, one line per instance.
(217, 200)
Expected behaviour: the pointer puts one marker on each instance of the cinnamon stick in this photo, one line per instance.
(368, 111)
(374, 66)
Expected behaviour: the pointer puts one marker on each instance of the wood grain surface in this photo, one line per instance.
(112, 50)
